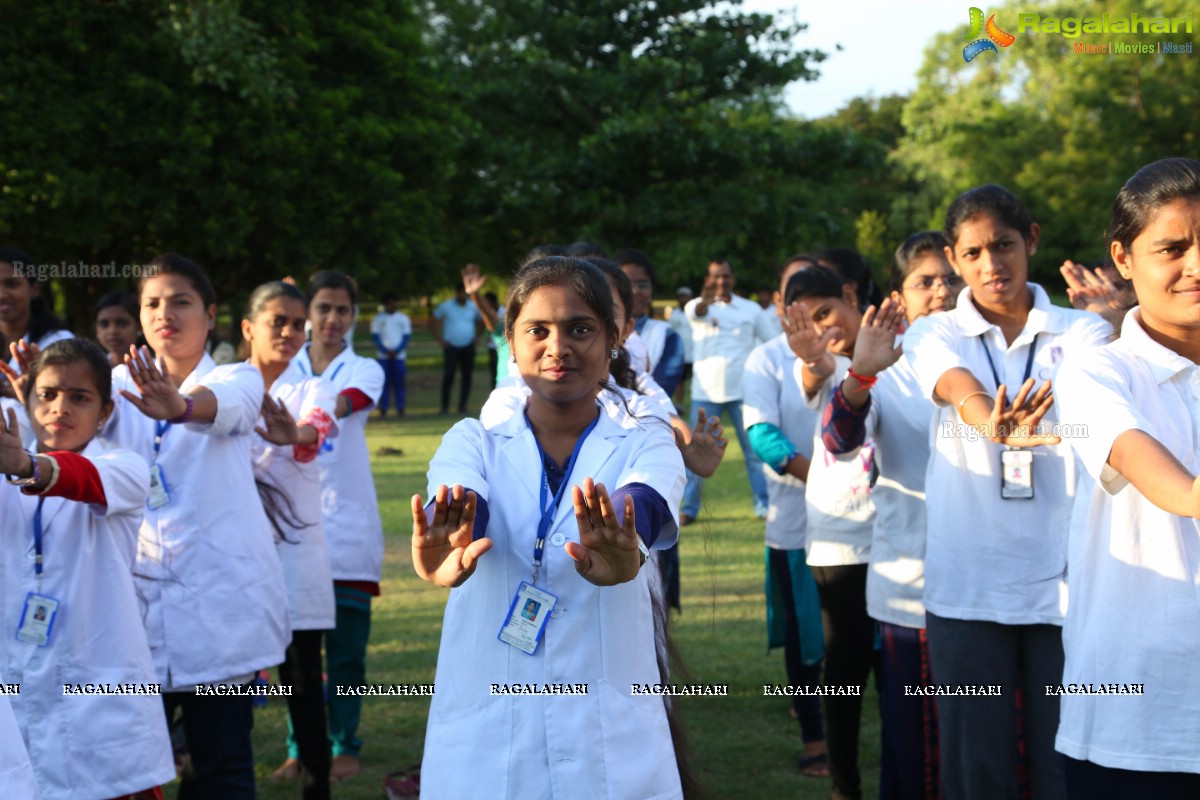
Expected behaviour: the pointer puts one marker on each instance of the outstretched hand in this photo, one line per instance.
(702, 454)
(804, 338)
(1090, 290)
(160, 397)
(1017, 425)
(607, 552)
(875, 348)
(279, 427)
(443, 552)
(17, 380)
(473, 279)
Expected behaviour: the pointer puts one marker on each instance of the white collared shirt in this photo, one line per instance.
(722, 340)
(206, 570)
(900, 422)
(838, 502)
(353, 528)
(987, 558)
(92, 745)
(1134, 568)
(771, 395)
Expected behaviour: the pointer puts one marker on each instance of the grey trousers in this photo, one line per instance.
(978, 734)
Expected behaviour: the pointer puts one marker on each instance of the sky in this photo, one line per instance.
(883, 44)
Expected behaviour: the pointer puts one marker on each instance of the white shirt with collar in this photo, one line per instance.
(353, 528)
(837, 497)
(1134, 568)
(987, 558)
(83, 745)
(771, 395)
(722, 341)
(302, 550)
(605, 743)
(206, 571)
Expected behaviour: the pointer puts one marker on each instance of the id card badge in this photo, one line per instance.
(1016, 475)
(158, 496)
(527, 616)
(37, 619)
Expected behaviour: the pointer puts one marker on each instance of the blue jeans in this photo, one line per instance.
(218, 740)
(394, 373)
(754, 464)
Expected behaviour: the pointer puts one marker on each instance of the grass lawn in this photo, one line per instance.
(744, 745)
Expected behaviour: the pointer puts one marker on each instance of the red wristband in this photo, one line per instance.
(864, 383)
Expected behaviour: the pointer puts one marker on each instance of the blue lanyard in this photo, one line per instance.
(37, 537)
(548, 512)
(160, 428)
(1028, 362)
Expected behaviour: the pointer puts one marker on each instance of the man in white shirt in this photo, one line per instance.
(725, 329)
(390, 331)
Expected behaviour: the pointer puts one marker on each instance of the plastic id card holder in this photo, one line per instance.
(158, 496)
(37, 619)
(1016, 475)
(527, 616)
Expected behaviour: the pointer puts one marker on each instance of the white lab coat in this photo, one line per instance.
(353, 528)
(16, 773)
(605, 744)
(206, 571)
(303, 553)
(84, 747)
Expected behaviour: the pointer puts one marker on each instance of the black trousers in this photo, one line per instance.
(218, 739)
(849, 658)
(306, 709)
(461, 359)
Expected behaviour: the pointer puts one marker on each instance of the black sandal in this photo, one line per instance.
(814, 766)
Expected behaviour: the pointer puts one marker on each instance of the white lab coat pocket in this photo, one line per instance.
(116, 744)
(636, 736)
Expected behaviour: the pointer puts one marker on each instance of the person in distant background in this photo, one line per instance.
(454, 324)
(664, 346)
(677, 318)
(390, 331)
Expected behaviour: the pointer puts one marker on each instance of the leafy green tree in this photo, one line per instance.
(647, 123)
(262, 140)
(1062, 129)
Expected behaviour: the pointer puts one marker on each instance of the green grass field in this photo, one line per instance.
(744, 745)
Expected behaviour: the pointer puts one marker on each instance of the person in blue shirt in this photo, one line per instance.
(455, 325)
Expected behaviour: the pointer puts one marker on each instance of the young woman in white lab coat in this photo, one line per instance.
(297, 417)
(1134, 543)
(499, 538)
(353, 529)
(206, 571)
(67, 544)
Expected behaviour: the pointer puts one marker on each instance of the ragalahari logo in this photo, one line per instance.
(995, 36)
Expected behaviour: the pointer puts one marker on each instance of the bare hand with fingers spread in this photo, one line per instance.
(805, 339)
(1017, 425)
(25, 354)
(443, 552)
(279, 427)
(875, 349)
(160, 397)
(704, 449)
(607, 552)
